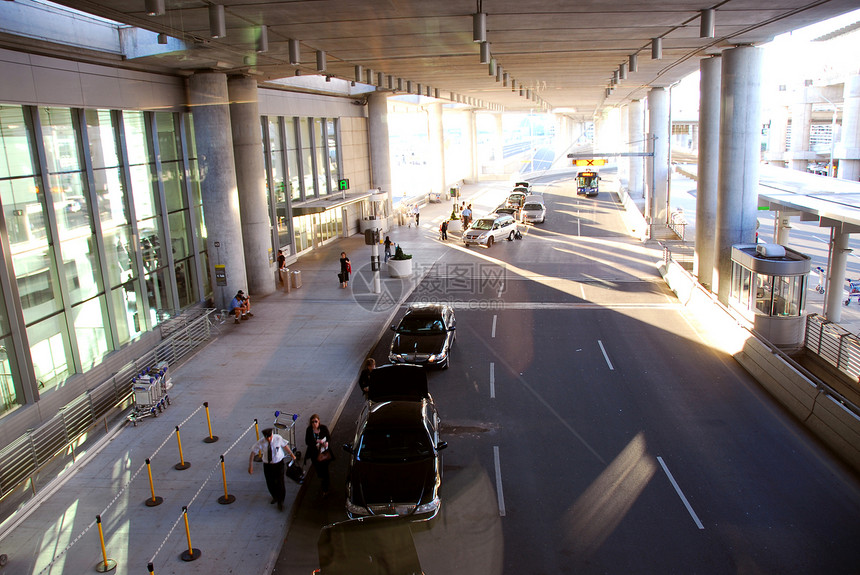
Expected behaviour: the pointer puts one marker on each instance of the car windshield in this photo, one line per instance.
(482, 225)
(417, 325)
(537, 207)
(388, 445)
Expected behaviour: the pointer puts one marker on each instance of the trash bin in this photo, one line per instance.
(296, 279)
(284, 279)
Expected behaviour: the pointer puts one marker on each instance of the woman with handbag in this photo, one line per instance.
(317, 438)
(345, 270)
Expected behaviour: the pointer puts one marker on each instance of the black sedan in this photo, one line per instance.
(424, 336)
(395, 466)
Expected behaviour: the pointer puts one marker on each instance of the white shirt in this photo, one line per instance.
(278, 453)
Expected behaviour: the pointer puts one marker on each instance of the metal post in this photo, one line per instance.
(154, 501)
(182, 463)
(374, 263)
(211, 438)
(192, 554)
(106, 564)
(226, 499)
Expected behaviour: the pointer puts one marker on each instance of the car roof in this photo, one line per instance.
(404, 382)
(396, 413)
(425, 309)
(534, 198)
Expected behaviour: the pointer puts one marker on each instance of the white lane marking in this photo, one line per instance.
(605, 355)
(680, 493)
(582, 290)
(499, 481)
(492, 380)
(501, 290)
(578, 226)
(493, 332)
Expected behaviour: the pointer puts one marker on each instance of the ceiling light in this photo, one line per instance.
(622, 71)
(295, 52)
(633, 61)
(263, 39)
(499, 72)
(656, 48)
(479, 27)
(492, 67)
(162, 38)
(707, 23)
(217, 25)
(390, 82)
(485, 52)
(155, 7)
(408, 86)
(399, 84)
(358, 72)
(369, 75)
(320, 61)
(380, 79)
(505, 78)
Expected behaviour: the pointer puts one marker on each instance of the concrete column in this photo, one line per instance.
(801, 122)
(251, 184)
(708, 170)
(657, 211)
(498, 146)
(776, 136)
(694, 138)
(636, 137)
(623, 163)
(436, 134)
(472, 145)
(380, 157)
(836, 270)
(848, 150)
(207, 93)
(740, 148)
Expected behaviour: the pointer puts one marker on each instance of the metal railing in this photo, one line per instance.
(29, 453)
(834, 344)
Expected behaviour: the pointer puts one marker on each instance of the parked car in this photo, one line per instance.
(504, 210)
(534, 211)
(486, 231)
(395, 466)
(398, 382)
(526, 185)
(515, 200)
(424, 336)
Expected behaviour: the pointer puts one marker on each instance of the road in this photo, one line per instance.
(591, 428)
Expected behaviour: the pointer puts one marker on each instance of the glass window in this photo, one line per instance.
(331, 131)
(157, 291)
(307, 158)
(292, 159)
(143, 191)
(89, 321)
(171, 178)
(18, 158)
(128, 308)
(169, 145)
(150, 244)
(320, 139)
(185, 287)
(135, 138)
(110, 194)
(763, 293)
(788, 295)
(102, 139)
(180, 240)
(51, 352)
(59, 136)
(119, 255)
(8, 376)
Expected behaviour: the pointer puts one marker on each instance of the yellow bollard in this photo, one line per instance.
(192, 554)
(106, 564)
(258, 458)
(225, 499)
(182, 463)
(150, 568)
(211, 438)
(155, 500)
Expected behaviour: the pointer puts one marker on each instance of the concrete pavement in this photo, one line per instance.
(300, 353)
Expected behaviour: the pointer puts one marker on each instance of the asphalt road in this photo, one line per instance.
(592, 430)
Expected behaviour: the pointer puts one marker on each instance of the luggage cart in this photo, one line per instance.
(287, 430)
(853, 291)
(150, 392)
(820, 274)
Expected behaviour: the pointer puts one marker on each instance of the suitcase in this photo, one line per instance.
(294, 471)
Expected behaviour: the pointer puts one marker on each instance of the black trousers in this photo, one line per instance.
(274, 474)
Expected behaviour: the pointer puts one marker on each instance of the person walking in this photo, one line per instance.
(443, 229)
(467, 216)
(345, 270)
(364, 377)
(317, 438)
(387, 245)
(417, 213)
(273, 448)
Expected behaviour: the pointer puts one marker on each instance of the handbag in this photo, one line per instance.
(339, 277)
(324, 456)
(348, 268)
(294, 472)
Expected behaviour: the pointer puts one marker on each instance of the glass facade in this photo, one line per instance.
(91, 200)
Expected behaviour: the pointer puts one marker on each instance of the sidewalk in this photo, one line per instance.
(300, 353)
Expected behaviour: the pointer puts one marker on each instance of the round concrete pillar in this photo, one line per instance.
(740, 151)
(708, 170)
(848, 150)
(658, 128)
(636, 136)
(251, 184)
(436, 135)
(213, 134)
(836, 280)
(377, 127)
(801, 124)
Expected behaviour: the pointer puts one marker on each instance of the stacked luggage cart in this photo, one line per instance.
(150, 392)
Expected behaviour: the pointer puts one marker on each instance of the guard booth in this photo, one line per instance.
(769, 289)
(375, 213)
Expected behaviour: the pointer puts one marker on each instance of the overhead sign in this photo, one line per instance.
(343, 185)
(590, 162)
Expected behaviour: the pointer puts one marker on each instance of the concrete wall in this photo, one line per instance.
(355, 152)
(822, 414)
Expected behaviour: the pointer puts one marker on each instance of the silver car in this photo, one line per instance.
(534, 212)
(490, 229)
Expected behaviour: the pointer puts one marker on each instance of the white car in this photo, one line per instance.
(493, 228)
(534, 211)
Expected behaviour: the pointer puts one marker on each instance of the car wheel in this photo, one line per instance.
(490, 242)
(511, 237)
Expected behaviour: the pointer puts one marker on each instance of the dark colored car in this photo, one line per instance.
(395, 466)
(398, 382)
(424, 336)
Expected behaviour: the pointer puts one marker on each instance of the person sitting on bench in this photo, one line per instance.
(240, 306)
